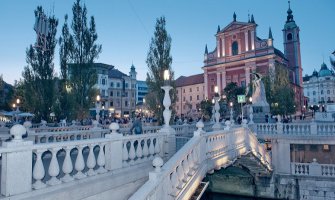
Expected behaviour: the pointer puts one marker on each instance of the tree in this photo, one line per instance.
(38, 75)
(6, 94)
(231, 91)
(279, 92)
(158, 60)
(78, 51)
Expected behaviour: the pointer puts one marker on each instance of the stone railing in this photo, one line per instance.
(27, 166)
(275, 130)
(179, 177)
(313, 169)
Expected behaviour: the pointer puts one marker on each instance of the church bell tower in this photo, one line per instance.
(292, 47)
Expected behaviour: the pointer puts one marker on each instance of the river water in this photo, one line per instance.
(220, 196)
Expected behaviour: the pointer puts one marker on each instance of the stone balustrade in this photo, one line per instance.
(275, 130)
(313, 169)
(27, 166)
(179, 176)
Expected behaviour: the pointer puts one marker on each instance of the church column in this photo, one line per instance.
(224, 82)
(218, 81)
(206, 84)
(252, 40)
(223, 47)
(246, 41)
(218, 47)
(247, 76)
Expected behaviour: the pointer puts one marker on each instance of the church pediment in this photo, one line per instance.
(234, 26)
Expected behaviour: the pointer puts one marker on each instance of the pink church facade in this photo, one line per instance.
(239, 52)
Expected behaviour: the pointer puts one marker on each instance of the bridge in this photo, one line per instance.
(169, 162)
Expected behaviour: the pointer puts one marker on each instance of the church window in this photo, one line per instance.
(234, 48)
(321, 91)
(328, 91)
(314, 92)
(289, 36)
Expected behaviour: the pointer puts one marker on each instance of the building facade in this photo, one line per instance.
(319, 87)
(240, 52)
(117, 90)
(190, 92)
(141, 91)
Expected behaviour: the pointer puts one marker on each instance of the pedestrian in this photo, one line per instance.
(137, 126)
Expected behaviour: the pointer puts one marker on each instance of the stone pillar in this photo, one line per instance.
(16, 168)
(218, 80)
(206, 84)
(223, 49)
(113, 149)
(246, 41)
(218, 47)
(281, 157)
(252, 40)
(224, 80)
(247, 76)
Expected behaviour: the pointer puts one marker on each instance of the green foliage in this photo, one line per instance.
(77, 54)
(158, 60)
(231, 91)
(6, 94)
(279, 93)
(206, 108)
(38, 84)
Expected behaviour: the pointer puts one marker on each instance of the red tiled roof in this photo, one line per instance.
(190, 80)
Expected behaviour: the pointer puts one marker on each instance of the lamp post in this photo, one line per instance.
(251, 110)
(97, 108)
(167, 99)
(213, 110)
(231, 113)
(216, 125)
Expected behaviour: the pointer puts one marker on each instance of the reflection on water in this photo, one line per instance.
(220, 196)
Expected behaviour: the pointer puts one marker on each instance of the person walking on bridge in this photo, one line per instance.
(137, 126)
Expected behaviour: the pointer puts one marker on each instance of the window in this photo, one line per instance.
(177, 99)
(328, 91)
(190, 98)
(197, 97)
(126, 94)
(117, 85)
(321, 91)
(111, 104)
(289, 36)
(126, 85)
(103, 81)
(184, 91)
(133, 94)
(126, 103)
(111, 94)
(322, 99)
(112, 84)
(329, 100)
(103, 93)
(198, 89)
(118, 93)
(184, 99)
(314, 92)
(190, 89)
(234, 48)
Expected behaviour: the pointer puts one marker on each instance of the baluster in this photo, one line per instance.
(174, 183)
(157, 146)
(139, 153)
(101, 161)
(186, 167)
(190, 164)
(125, 154)
(38, 171)
(132, 154)
(54, 168)
(151, 148)
(180, 174)
(67, 165)
(91, 162)
(80, 164)
(145, 149)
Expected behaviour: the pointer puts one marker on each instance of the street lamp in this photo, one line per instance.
(231, 112)
(217, 125)
(251, 111)
(97, 108)
(167, 99)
